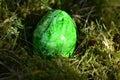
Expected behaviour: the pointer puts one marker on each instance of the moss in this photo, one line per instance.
(97, 54)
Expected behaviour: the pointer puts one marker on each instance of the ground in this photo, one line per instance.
(97, 52)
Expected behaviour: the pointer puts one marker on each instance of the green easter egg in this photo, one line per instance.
(55, 34)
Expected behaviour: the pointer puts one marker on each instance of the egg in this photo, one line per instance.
(55, 34)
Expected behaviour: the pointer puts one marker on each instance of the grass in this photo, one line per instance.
(97, 53)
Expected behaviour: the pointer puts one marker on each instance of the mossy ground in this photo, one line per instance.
(97, 53)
